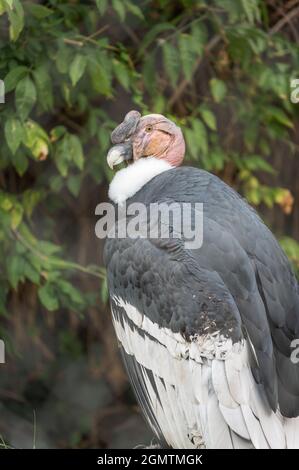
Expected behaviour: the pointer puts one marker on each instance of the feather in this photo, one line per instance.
(291, 428)
(219, 434)
(235, 419)
(240, 443)
(220, 385)
(189, 402)
(254, 429)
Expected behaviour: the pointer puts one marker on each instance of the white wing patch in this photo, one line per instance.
(204, 394)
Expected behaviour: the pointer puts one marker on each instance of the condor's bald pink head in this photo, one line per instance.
(152, 135)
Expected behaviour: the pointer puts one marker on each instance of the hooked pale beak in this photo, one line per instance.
(119, 153)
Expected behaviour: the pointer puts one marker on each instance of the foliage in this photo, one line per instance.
(291, 247)
(65, 64)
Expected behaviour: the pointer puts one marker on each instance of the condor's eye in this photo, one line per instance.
(148, 128)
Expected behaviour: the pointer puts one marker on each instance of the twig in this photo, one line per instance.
(184, 83)
(131, 34)
(286, 19)
(99, 31)
(281, 13)
(283, 8)
(92, 36)
(73, 42)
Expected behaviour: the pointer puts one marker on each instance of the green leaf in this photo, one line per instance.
(191, 143)
(73, 293)
(25, 97)
(61, 158)
(63, 58)
(30, 199)
(135, 10)
(14, 76)
(102, 6)
(104, 137)
(186, 55)
(199, 37)
(16, 216)
(36, 140)
(258, 163)
(291, 247)
(57, 132)
(68, 150)
(47, 296)
(48, 248)
(76, 151)
(200, 135)
(277, 114)
(77, 68)
(254, 196)
(14, 134)
(3, 7)
(56, 183)
(209, 118)
(171, 63)
(74, 184)
(9, 3)
(264, 147)
(118, 6)
(31, 273)
(33, 132)
(122, 74)
(66, 91)
(217, 159)
(100, 75)
(15, 270)
(44, 87)
(6, 201)
(218, 89)
(39, 11)
(16, 18)
(20, 162)
(233, 9)
(159, 103)
(251, 10)
(104, 291)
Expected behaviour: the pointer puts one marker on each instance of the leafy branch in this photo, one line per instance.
(55, 262)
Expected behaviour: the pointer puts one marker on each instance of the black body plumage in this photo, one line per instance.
(239, 283)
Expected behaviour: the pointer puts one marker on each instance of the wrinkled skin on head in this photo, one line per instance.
(152, 135)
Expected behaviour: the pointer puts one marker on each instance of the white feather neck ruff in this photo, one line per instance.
(129, 180)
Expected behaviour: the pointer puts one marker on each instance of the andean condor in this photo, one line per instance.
(206, 334)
